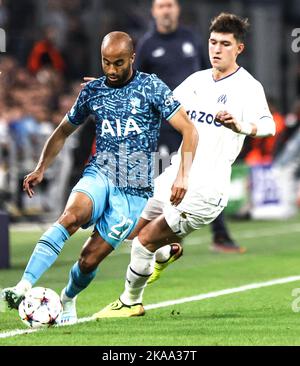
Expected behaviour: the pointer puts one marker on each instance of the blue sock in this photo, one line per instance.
(78, 281)
(45, 252)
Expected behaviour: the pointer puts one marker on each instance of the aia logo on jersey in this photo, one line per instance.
(115, 128)
(222, 99)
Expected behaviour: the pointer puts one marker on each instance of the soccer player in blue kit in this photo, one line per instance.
(128, 106)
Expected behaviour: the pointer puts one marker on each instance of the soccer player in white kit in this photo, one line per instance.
(226, 104)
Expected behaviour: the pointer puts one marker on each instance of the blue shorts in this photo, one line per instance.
(115, 213)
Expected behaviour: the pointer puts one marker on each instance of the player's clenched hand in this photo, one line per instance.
(31, 180)
(87, 79)
(227, 120)
(178, 191)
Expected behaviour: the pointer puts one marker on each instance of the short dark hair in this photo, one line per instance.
(230, 23)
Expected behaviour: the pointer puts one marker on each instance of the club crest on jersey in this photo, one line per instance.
(222, 99)
(115, 128)
(135, 103)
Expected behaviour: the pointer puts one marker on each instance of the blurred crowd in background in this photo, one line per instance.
(51, 45)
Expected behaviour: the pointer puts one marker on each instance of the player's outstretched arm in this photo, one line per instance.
(51, 148)
(183, 125)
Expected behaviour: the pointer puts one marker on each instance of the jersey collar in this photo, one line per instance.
(225, 77)
(121, 85)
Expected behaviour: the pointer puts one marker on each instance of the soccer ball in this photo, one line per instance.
(41, 307)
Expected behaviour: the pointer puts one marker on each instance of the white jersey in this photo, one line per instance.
(218, 147)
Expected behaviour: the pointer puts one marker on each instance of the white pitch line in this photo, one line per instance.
(209, 295)
(16, 332)
(251, 286)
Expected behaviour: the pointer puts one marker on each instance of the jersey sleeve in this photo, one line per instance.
(79, 111)
(256, 108)
(163, 98)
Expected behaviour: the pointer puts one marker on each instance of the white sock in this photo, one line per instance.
(23, 286)
(163, 254)
(64, 298)
(128, 242)
(139, 270)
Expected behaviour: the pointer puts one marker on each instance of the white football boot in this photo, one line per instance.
(69, 313)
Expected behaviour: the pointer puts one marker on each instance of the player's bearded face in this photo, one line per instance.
(117, 71)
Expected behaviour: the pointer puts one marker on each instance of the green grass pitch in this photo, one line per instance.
(262, 316)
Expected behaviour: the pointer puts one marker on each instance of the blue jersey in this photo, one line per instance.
(128, 120)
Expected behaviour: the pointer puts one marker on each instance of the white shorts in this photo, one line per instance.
(181, 223)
